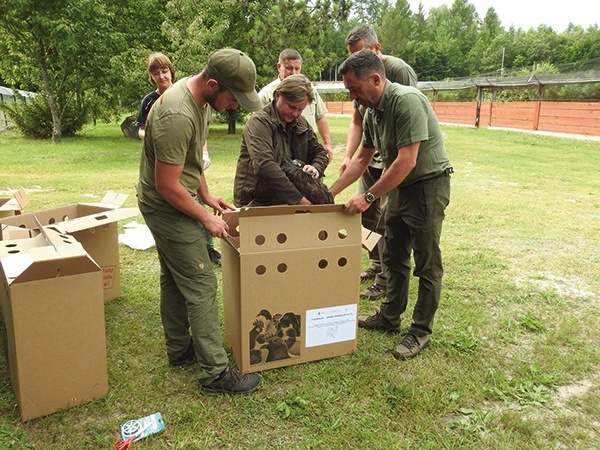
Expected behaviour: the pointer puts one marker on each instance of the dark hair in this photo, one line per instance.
(296, 88)
(289, 54)
(363, 63)
(363, 32)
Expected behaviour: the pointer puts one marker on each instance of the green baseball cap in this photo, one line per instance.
(234, 70)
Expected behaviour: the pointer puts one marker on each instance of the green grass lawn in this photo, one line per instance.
(515, 355)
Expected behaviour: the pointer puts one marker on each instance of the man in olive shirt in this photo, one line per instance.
(396, 71)
(170, 189)
(401, 124)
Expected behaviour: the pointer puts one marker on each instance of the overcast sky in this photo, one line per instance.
(530, 13)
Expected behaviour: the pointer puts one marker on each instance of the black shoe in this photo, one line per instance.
(410, 346)
(214, 256)
(377, 322)
(369, 274)
(232, 382)
(373, 292)
(188, 358)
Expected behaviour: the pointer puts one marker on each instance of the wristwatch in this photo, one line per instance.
(370, 198)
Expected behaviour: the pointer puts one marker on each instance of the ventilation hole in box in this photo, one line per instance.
(22, 226)
(323, 264)
(342, 262)
(14, 252)
(260, 239)
(282, 268)
(281, 238)
(64, 219)
(10, 245)
(343, 233)
(261, 270)
(323, 235)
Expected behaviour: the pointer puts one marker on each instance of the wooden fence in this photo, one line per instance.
(558, 117)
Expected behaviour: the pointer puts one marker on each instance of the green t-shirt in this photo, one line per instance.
(403, 117)
(176, 130)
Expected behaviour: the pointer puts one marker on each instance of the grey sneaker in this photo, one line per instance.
(377, 322)
(410, 346)
(369, 274)
(373, 292)
(233, 382)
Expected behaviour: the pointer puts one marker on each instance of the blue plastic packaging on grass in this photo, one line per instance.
(142, 427)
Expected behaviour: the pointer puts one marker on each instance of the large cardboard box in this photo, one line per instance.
(54, 333)
(14, 205)
(94, 225)
(290, 284)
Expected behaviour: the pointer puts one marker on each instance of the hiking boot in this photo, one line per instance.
(410, 346)
(233, 382)
(373, 292)
(188, 358)
(214, 256)
(369, 274)
(377, 322)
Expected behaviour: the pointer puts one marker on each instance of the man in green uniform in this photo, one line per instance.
(170, 188)
(396, 71)
(400, 123)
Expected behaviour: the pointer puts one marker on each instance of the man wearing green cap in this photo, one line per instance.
(170, 188)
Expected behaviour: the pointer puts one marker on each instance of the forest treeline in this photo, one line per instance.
(87, 58)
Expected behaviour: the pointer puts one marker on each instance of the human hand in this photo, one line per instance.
(311, 170)
(304, 201)
(218, 204)
(357, 204)
(216, 226)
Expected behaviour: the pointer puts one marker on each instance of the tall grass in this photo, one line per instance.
(514, 358)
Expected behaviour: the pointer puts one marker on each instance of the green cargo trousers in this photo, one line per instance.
(413, 219)
(188, 290)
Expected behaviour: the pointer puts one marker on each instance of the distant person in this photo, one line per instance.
(400, 123)
(290, 63)
(161, 74)
(397, 71)
(277, 132)
(170, 190)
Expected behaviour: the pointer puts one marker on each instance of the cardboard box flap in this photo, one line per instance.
(38, 258)
(113, 199)
(286, 228)
(95, 220)
(17, 203)
(369, 239)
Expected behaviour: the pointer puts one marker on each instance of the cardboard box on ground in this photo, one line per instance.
(290, 284)
(54, 333)
(94, 225)
(14, 205)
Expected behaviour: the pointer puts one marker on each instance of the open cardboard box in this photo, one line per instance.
(14, 205)
(94, 225)
(290, 284)
(54, 333)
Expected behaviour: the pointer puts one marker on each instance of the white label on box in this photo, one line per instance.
(330, 325)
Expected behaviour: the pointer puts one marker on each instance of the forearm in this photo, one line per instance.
(355, 169)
